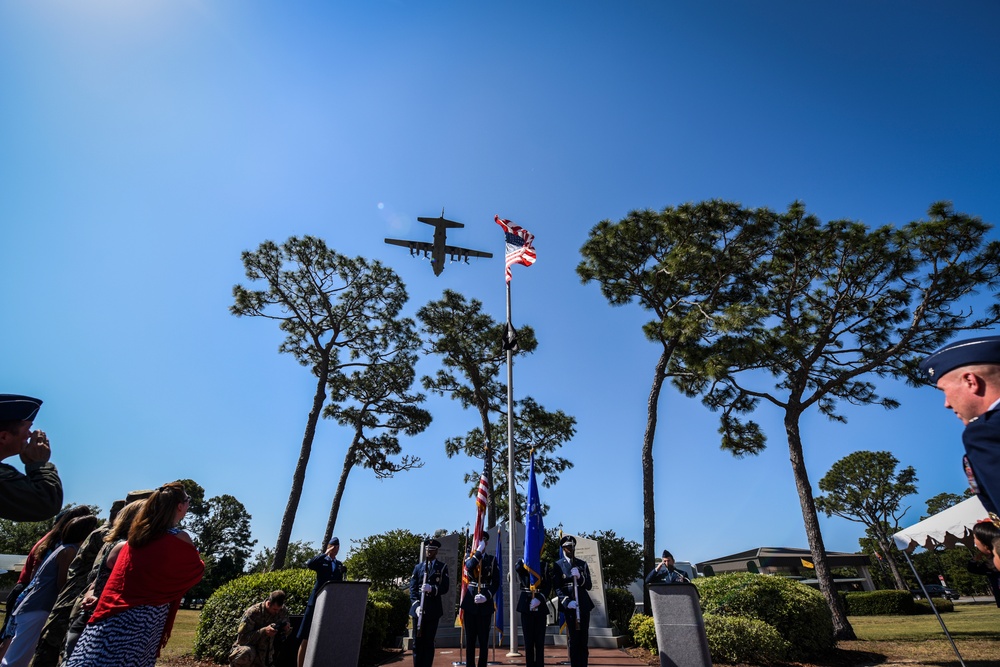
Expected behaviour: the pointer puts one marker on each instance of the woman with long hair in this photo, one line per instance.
(31, 612)
(103, 565)
(153, 571)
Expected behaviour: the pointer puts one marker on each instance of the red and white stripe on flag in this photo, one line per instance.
(519, 245)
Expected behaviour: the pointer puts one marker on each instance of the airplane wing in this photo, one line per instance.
(412, 245)
(465, 252)
(441, 222)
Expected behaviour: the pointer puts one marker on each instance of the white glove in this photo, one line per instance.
(572, 604)
(427, 588)
(482, 546)
(575, 572)
(420, 612)
(480, 598)
(535, 603)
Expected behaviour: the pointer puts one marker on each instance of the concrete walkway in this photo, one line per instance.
(554, 657)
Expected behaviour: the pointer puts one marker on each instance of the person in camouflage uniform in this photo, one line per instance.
(259, 627)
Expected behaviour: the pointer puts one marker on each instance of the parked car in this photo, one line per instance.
(937, 591)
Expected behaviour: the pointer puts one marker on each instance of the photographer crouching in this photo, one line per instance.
(260, 626)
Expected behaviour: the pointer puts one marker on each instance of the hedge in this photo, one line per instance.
(799, 613)
(643, 631)
(621, 607)
(941, 604)
(740, 639)
(385, 614)
(880, 603)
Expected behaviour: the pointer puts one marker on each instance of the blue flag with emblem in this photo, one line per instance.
(498, 617)
(534, 535)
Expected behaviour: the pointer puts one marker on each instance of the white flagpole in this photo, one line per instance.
(511, 491)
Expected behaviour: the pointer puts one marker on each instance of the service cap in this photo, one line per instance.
(335, 540)
(667, 554)
(567, 541)
(17, 408)
(432, 543)
(981, 350)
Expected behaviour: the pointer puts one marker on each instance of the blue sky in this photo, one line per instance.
(143, 146)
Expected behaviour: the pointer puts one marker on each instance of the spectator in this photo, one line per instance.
(259, 626)
(31, 612)
(987, 537)
(157, 566)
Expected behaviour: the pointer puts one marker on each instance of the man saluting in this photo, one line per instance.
(427, 584)
(37, 494)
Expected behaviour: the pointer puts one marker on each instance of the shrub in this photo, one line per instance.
(620, 606)
(399, 612)
(924, 607)
(385, 613)
(799, 613)
(643, 632)
(741, 639)
(220, 618)
(880, 603)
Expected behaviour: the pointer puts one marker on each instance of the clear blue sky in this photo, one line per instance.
(144, 145)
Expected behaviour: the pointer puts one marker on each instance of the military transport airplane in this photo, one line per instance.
(438, 250)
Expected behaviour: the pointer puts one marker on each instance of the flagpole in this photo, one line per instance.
(511, 491)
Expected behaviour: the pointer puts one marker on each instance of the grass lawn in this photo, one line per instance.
(920, 640)
(182, 636)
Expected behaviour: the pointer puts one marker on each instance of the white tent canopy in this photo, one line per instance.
(947, 528)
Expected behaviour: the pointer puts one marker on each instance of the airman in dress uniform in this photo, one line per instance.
(665, 572)
(571, 579)
(37, 494)
(477, 603)
(533, 607)
(968, 372)
(427, 584)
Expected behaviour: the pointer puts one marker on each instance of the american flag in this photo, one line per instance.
(482, 498)
(519, 248)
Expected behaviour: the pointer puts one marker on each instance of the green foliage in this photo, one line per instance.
(943, 501)
(740, 639)
(385, 613)
(339, 315)
(222, 535)
(643, 631)
(941, 604)
(880, 603)
(220, 618)
(386, 559)
(297, 555)
(621, 559)
(798, 612)
(621, 607)
(399, 613)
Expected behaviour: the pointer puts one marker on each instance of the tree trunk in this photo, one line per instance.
(883, 543)
(648, 507)
(339, 493)
(842, 629)
(299, 477)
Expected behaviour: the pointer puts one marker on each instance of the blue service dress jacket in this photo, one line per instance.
(482, 573)
(437, 576)
(562, 581)
(982, 450)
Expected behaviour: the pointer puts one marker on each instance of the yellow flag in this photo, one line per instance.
(806, 563)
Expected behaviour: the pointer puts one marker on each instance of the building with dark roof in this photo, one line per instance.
(794, 564)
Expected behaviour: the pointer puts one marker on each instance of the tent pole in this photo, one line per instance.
(933, 608)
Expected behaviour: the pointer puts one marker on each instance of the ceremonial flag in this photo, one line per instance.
(534, 534)
(482, 498)
(519, 248)
(510, 338)
(498, 618)
(561, 622)
(465, 579)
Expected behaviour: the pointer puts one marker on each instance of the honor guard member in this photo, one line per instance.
(37, 494)
(571, 579)
(428, 583)
(477, 603)
(666, 573)
(327, 569)
(534, 611)
(968, 372)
